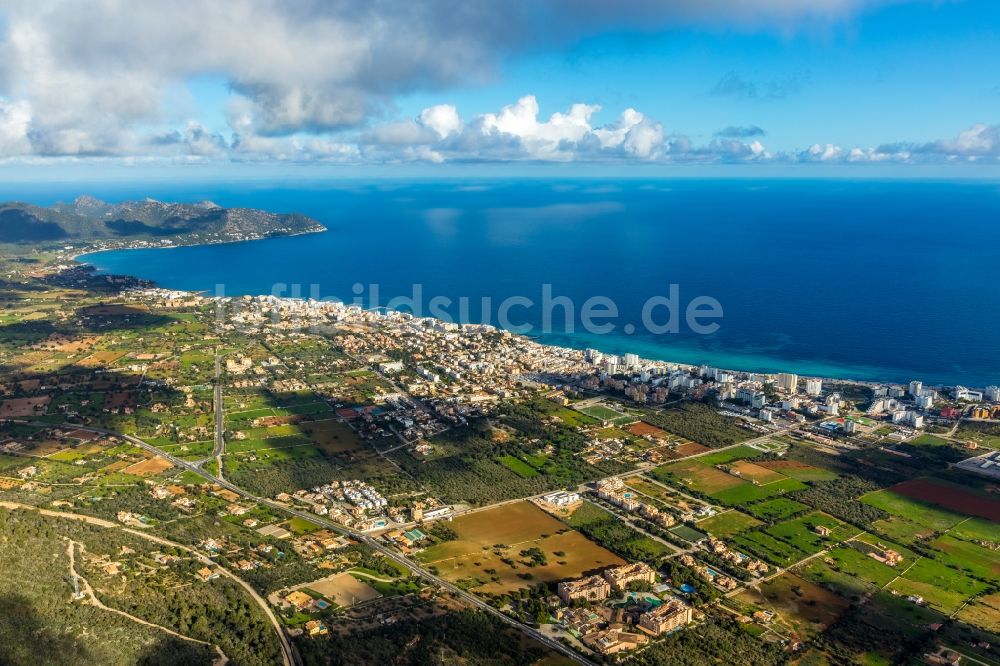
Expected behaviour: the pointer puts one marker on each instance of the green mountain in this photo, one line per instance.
(88, 219)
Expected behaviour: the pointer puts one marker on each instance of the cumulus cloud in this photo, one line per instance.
(517, 132)
(978, 141)
(15, 119)
(315, 80)
(94, 75)
(101, 69)
(981, 142)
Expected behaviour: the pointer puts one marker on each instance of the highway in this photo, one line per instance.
(360, 537)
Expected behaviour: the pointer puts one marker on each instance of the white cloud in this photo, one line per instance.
(442, 118)
(978, 140)
(517, 133)
(95, 75)
(15, 119)
(981, 142)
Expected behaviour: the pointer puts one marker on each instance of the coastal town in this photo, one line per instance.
(360, 469)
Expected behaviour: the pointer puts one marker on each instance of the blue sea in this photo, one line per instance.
(886, 280)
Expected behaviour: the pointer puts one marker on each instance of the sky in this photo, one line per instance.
(450, 86)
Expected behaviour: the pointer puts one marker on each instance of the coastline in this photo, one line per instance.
(566, 345)
(173, 246)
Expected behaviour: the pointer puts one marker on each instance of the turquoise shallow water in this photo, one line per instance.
(860, 279)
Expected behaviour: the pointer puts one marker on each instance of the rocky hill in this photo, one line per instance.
(87, 219)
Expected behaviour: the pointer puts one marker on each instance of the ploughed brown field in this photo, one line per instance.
(641, 429)
(487, 537)
(23, 406)
(148, 467)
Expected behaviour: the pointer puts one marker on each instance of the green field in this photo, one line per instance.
(748, 492)
(519, 467)
(793, 540)
(727, 523)
(929, 440)
(851, 572)
(607, 530)
(607, 415)
(736, 453)
(932, 518)
(688, 534)
(767, 547)
(777, 509)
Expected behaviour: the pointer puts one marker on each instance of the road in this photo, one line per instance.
(360, 537)
(393, 555)
(220, 440)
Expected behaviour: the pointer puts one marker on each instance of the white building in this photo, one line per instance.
(909, 418)
(631, 361)
(755, 399)
(925, 400)
(993, 393)
(788, 381)
(427, 374)
(916, 387)
(561, 498)
(814, 387)
(962, 393)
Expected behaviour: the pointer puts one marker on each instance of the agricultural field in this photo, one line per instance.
(929, 440)
(663, 494)
(964, 500)
(643, 429)
(729, 455)
(684, 449)
(727, 523)
(699, 476)
(917, 519)
(799, 470)
(941, 587)
(954, 564)
(849, 572)
(609, 531)
(747, 493)
(793, 540)
(755, 473)
(518, 466)
(777, 509)
(802, 609)
(487, 555)
(983, 612)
